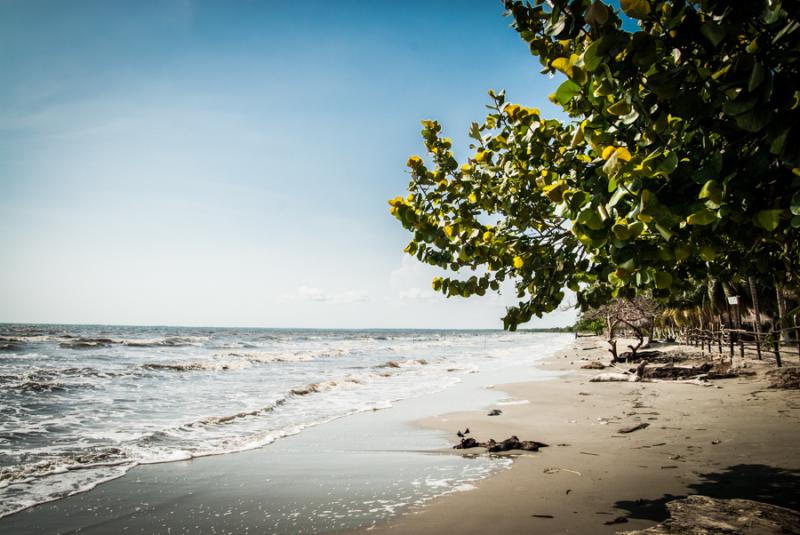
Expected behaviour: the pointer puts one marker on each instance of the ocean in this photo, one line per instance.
(80, 405)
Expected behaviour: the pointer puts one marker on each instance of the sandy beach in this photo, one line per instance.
(733, 439)
(382, 471)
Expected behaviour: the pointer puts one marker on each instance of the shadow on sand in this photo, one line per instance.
(759, 482)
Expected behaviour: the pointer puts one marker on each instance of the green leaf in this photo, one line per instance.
(713, 32)
(475, 132)
(768, 219)
(665, 232)
(566, 91)
(754, 120)
(619, 108)
(712, 191)
(756, 77)
(796, 221)
(666, 166)
(638, 9)
(592, 57)
(702, 217)
(795, 205)
(663, 280)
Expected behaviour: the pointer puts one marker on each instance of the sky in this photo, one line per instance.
(214, 163)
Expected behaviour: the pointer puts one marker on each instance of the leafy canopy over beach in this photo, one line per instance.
(679, 163)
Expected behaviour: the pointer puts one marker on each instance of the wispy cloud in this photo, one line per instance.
(415, 294)
(318, 295)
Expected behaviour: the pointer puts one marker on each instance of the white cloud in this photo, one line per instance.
(312, 294)
(415, 294)
(318, 295)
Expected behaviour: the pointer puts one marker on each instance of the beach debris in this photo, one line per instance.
(467, 443)
(715, 442)
(556, 469)
(613, 377)
(511, 443)
(628, 356)
(617, 520)
(588, 453)
(568, 491)
(594, 365)
(701, 514)
(514, 443)
(785, 378)
(495, 412)
(542, 516)
(633, 428)
(462, 434)
(677, 372)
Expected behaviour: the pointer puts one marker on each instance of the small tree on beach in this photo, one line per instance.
(633, 315)
(680, 161)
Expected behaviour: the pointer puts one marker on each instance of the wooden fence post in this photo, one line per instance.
(776, 346)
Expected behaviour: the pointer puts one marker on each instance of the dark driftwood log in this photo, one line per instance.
(628, 356)
(676, 372)
(701, 515)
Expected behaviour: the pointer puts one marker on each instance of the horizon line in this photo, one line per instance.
(49, 324)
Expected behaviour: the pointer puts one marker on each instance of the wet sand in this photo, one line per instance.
(732, 439)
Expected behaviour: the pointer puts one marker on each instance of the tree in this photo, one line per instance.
(680, 163)
(636, 315)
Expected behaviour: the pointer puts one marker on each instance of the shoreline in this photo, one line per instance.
(732, 439)
(355, 470)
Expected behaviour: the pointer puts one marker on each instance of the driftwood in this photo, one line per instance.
(595, 365)
(511, 443)
(677, 372)
(612, 377)
(495, 412)
(786, 378)
(628, 356)
(701, 515)
(633, 428)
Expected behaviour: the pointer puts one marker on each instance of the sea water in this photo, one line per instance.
(80, 405)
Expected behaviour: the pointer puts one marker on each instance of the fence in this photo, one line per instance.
(777, 344)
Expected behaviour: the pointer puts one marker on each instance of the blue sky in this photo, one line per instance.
(228, 163)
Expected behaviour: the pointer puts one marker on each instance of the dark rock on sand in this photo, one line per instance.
(495, 412)
(701, 515)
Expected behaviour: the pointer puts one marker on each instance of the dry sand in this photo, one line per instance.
(732, 439)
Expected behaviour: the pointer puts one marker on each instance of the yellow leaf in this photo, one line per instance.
(561, 64)
(608, 151)
(414, 161)
(511, 110)
(473, 198)
(448, 230)
(487, 236)
(518, 262)
(623, 154)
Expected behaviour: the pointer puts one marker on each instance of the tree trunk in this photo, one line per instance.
(757, 312)
(781, 313)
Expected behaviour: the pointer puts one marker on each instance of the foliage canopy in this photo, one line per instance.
(680, 161)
